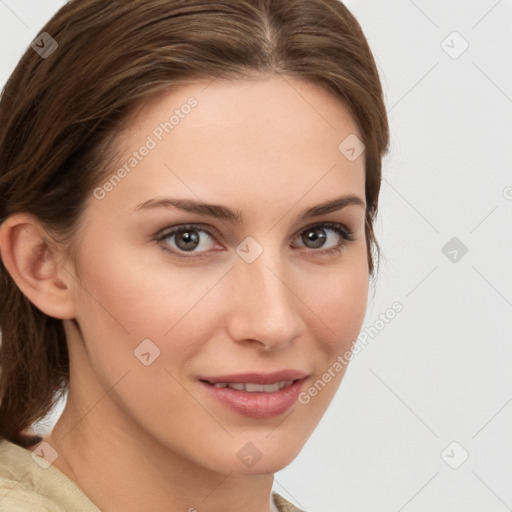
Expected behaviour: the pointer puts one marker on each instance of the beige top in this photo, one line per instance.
(27, 487)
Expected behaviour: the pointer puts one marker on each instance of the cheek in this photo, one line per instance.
(126, 298)
(131, 295)
(339, 301)
(122, 303)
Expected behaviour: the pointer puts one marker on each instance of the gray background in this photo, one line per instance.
(439, 372)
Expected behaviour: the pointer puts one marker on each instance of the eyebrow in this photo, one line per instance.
(235, 217)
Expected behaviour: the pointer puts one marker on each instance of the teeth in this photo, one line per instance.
(255, 388)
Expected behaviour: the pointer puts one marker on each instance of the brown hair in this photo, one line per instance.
(60, 115)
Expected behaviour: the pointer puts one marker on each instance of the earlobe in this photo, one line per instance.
(33, 261)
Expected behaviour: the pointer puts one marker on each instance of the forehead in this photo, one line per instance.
(271, 139)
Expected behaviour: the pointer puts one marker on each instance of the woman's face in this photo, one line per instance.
(254, 284)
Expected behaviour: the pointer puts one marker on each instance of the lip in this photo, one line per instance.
(258, 405)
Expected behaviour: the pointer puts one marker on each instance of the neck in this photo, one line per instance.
(118, 471)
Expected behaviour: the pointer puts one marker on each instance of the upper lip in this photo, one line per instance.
(257, 378)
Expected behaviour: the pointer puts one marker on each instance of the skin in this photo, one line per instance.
(138, 437)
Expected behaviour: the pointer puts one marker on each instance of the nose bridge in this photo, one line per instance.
(265, 306)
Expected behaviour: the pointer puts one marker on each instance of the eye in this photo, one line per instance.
(315, 236)
(188, 238)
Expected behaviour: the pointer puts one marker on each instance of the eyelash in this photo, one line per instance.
(346, 235)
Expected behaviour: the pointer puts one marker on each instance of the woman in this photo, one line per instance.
(188, 196)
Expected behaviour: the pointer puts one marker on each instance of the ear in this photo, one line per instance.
(34, 262)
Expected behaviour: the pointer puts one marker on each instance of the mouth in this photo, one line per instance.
(252, 387)
(256, 377)
(256, 395)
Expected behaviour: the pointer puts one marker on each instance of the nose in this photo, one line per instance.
(264, 308)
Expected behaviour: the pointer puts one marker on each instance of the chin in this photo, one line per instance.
(262, 467)
(261, 457)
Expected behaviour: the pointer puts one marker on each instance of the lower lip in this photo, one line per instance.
(259, 404)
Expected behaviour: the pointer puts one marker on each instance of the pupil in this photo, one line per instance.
(190, 239)
(317, 238)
